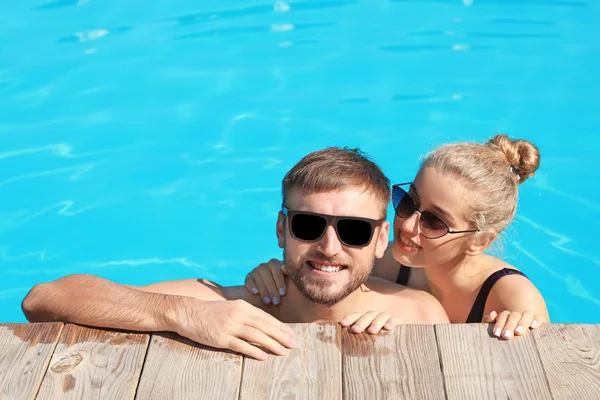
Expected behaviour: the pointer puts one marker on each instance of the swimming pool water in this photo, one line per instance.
(146, 141)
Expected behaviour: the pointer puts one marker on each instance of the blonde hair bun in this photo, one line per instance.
(522, 157)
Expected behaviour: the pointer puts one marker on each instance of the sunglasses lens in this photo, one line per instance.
(354, 232)
(403, 203)
(431, 226)
(308, 227)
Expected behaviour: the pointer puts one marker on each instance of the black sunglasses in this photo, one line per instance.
(310, 227)
(432, 226)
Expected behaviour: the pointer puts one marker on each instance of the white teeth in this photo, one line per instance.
(327, 268)
(406, 242)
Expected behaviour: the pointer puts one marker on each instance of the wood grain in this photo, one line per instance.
(478, 366)
(177, 368)
(402, 364)
(92, 363)
(25, 352)
(312, 370)
(570, 355)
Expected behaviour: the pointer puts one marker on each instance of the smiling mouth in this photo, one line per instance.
(407, 242)
(325, 267)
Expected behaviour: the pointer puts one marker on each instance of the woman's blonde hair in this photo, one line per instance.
(492, 172)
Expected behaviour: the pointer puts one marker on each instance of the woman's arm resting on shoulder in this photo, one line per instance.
(268, 281)
(514, 306)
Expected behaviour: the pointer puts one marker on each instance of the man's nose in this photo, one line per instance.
(329, 245)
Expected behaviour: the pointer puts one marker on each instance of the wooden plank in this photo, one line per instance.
(402, 364)
(93, 364)
(477, 365)
(312, 370)
(570, 355)
(25, 352)
(177, 368)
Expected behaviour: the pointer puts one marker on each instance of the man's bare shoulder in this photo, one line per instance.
(417, 305)
(241, 293)
(384, 287)
(202, 289)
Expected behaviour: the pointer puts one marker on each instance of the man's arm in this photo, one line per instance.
(191, 308)
(93, 301)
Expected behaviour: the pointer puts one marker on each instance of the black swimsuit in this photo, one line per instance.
(476, 314)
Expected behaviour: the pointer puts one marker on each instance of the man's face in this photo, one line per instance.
(326, 271)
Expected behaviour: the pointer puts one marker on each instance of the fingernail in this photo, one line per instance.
(507, 334)
(266, 299)
(518, 329)
(497, 332)
(533, 324)
(282, 291)
(292, 342)
(281, 350)
(254, 290)
(275, 300)
(388, 325)
(356, 328)
(344, 321)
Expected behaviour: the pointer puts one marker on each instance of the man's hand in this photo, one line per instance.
(235, 325)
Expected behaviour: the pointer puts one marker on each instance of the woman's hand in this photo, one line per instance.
(511, 323)
(372, 321)
(267, 280)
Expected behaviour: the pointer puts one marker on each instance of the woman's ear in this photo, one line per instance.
(481, 242)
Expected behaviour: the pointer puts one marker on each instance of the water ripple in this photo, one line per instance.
(224, 32)
(40, 255)
(76, 172)
(514, 21)
(19, 218)
(195, 18)
(60, 149)
(148, 261)
(54, 5)
(522, 3)
(254, 29)
(412, 48)
(513, 35)
(95, 34)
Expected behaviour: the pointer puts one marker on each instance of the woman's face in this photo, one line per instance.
(446, 197)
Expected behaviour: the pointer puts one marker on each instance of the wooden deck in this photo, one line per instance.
(56, 361)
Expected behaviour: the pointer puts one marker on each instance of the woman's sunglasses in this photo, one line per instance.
(310, 227)
(432, 226)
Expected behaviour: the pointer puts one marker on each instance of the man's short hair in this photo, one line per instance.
(337, 168)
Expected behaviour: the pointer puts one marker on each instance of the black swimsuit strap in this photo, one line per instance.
(403, 275)
(476, 314)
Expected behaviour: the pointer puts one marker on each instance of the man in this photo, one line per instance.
(331, 227)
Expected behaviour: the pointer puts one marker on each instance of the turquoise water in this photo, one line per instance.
(146, 141)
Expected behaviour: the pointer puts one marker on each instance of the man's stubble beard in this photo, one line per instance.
(316, 290)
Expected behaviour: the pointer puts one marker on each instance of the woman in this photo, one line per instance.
(462, 198)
